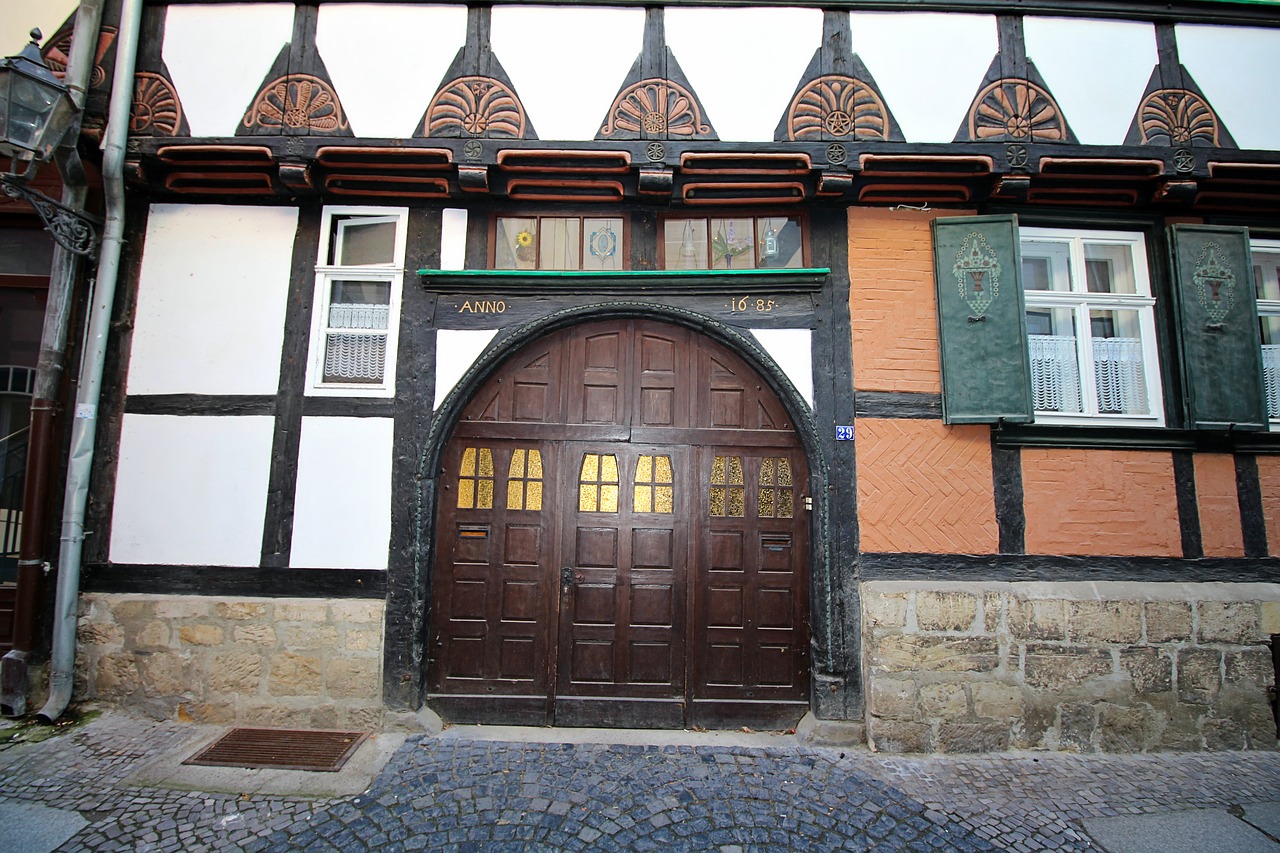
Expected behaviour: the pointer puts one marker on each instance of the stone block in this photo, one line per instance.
(996, 700)
(1221, 734)
(946, 611)
(1269, 613)
(884, 611)
(1039, 720)
(167, 674)
(128, 609)
(1104, 622)
(274, 715)
(361, 718)
(354, 678)
(973, 737)
(1199, 675)
(309, 636)
(240, 611)
(1250, 667)
(207, 713)
(1126, 728)
(201, 635)
(910, 653)
(347, 612)
(295, 675)
(182, 607)
(946, 701)
(1150, 669)
(810, 730)
(324, 717)
(892, 698)
(362, 640)
(1037, 619)
(991, 612)
(1229, 622)
(117, 676)
(1076, 724)
(152, 635)
(255, 635)
(1055, 667)
(301, 611)
(100, 634)
(235, 673)
(1167, 621)
(898, 736)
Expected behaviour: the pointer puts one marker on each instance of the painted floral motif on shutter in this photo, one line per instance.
(977, 271)
(1215, 284)
(654, 491)
(524, 480)
(475, 479)
(598, 483)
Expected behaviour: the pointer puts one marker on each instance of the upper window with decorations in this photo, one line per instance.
(577, 243)
(740, 242)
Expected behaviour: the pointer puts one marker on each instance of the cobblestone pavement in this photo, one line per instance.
(459, 793)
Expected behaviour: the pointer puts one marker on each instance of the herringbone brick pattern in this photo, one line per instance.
(895, 325)
(1269, 476)
(925, 487)
(1100, 502)
(1219, 504)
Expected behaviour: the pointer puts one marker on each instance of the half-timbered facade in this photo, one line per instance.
(910, 365)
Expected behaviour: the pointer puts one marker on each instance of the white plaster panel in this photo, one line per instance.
(17, 17)
(387, 97)
(544, 49)
(1237, 69)
(744, 64)
(792, 349)
(1096, 70)
(218, 57)
(191, 490)
(212, 294)
(342, 508)
(929, 66)
(456, 351)
(453, 238)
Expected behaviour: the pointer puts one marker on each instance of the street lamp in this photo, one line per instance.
(36, 115)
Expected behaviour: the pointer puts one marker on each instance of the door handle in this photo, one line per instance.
(567, 578)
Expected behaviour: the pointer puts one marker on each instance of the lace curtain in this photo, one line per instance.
(1271, 378)
(1117, 369)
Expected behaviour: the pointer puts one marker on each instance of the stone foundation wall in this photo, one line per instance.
(252, 661)
(1081, 667)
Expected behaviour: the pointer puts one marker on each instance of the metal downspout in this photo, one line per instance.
(14, 676)
(85, 421)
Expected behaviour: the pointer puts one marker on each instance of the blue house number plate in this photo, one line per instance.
(844, 433)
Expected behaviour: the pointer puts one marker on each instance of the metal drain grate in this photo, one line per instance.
(281, 749)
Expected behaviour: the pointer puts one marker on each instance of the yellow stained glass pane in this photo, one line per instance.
(664, 470)
(644, 498)
(786, 503)
(665, 499)
(535, 464)
(737, 503)
(644, 469)
(717, 500)
(784, 472)
(468, 462)
(517, 464)
(590, 468)
(608, 498)
(766, 471)
(486, 462)
(484, 500)
(466, 494)
(533, 500)
(717, 470)
(735, 471)
(515, 494)
(588, 498)
(608, 469)
(764, 503)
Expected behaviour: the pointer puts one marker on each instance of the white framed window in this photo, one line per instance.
(356, 312)
(1091, 327)
(1266, 278)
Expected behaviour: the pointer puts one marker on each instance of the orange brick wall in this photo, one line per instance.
(1269, 477)
(1099, 502)
(895, 325)
(1219, 504)
(924, 487)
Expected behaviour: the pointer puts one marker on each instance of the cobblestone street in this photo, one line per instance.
(457, 791)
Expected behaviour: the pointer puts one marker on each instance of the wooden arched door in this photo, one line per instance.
(622, 540)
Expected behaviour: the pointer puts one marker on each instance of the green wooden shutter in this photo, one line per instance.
(982, 322)
(1218, 337)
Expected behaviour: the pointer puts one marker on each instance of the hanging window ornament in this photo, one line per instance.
(603, 243)
(770, 244)
(688, 251)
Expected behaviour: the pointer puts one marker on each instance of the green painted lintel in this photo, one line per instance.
(675, 282)
(630, 275)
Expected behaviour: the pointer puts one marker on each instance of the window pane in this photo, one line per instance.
(1109, 268)
(732, 242)
(559, 244)
(365, 240)
(359, 304)
(603, 244)
(686, 244)
(1266, 273)
(1055, 368)
(1046, 266)
(355, 358)
(516, 246)
(1117, 362)
(778, 243)
(1271, 362)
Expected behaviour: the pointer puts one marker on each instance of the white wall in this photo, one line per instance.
(792, 349)
(456, 351)
(191, 490)
(218, 56)
(17, 17)
(212, 294)
(1096, 71)
(342, 508)
(1237, 68)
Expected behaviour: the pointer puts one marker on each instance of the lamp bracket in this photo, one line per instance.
(73, 230)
